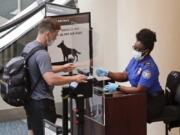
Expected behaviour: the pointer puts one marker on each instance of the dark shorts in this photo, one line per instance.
(36, 111)
(155, 105)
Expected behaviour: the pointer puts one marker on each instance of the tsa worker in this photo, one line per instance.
(142, 73)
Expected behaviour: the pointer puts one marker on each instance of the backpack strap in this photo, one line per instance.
(28, 55)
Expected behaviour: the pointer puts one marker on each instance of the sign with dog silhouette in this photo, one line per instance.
(66, 51)
(73, 42)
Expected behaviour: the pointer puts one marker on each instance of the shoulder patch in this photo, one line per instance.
(146, 74)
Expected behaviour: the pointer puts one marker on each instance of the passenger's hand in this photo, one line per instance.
(111, 87)
(80, 78)
(101, 72)
(68, 67)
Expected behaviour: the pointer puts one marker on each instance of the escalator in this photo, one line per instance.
(21, 29)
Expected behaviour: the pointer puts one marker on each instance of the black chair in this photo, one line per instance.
(171, 113)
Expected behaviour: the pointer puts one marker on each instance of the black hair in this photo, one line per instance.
(147, 38)
(48, 24)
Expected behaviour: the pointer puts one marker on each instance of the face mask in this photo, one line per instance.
(137, 55)
(50, 42)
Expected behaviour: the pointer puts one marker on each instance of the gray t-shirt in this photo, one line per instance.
(39, 63)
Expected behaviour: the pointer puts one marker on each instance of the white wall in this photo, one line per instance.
(162, 16)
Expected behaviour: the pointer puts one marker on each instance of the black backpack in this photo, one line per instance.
(172, 89)
(15, 83)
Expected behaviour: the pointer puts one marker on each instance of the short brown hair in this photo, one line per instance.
(48, 24)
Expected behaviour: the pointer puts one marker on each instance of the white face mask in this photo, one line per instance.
(137, 55)
(50, 42)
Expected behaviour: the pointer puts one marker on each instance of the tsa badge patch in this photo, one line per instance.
(146, 74)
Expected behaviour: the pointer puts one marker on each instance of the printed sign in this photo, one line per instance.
(73, 40)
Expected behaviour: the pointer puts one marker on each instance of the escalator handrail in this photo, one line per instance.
(23, 17)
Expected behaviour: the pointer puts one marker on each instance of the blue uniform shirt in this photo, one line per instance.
(144, 73)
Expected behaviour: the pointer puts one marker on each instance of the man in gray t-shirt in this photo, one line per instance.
(39, 64)
(41, 105)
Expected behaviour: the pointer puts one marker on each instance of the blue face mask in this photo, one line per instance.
(137, 55)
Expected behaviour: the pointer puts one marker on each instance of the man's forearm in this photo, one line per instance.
(54, 79)
(57, 68)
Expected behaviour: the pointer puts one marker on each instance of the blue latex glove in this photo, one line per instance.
(111, 87)
(101, 72)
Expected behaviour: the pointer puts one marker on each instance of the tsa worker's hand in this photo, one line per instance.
(111, 87)
(101, 72)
